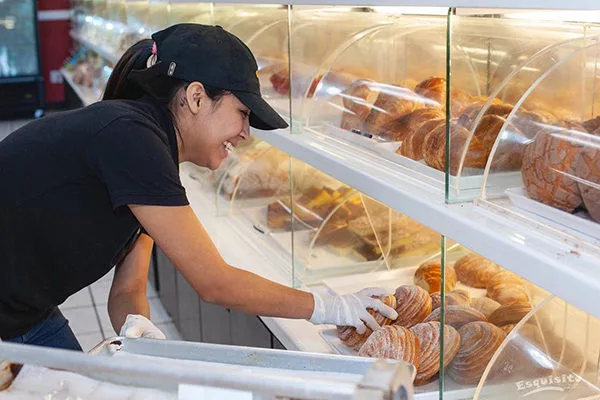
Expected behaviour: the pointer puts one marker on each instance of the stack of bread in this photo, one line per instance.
(474, 326)
(561, 166)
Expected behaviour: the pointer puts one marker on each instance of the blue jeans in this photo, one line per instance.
(54, 331)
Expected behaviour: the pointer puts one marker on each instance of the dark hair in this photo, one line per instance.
(120, 87)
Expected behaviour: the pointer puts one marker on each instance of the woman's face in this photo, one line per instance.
(209, 127)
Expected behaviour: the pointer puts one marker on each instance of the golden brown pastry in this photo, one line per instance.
(434, 147)
(475, 271)
(483, 140)
(479, 341)
(508, 293)
(509, 314)
(428, 334)
(456, 297)
(507, 328)
(428, 276)
(413, 305)
(358, 99)
(436, 300)
(549, 165)
(485, 305)
(433, 88)
(587, 169)
(7, 374)
(400, 128)
(456, 316)
(351, 122)
(504, 277)
(470, 112)
(412, 145)
(389, 107)
(392, 341)
(354, 340)
(592, 124)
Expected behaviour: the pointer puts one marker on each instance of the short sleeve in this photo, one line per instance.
(132, 159)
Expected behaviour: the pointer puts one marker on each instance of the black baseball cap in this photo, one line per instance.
(211, 55)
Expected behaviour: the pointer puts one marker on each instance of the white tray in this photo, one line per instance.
(579, 222)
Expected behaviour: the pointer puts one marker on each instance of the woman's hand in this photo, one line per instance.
(351, 309)
(137, 326)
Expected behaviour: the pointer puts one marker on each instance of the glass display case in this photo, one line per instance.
(493, 109)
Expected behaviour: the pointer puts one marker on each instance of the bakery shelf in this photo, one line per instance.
(565, 268)
(100, 50)
(86, 95)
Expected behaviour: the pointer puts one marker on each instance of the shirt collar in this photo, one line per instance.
(161, 112)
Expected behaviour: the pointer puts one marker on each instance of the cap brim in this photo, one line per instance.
(262, 115)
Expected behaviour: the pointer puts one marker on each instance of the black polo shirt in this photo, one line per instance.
(65, 182)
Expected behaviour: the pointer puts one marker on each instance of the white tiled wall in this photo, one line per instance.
(86, 310)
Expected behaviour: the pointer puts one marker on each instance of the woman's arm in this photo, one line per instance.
(128, 291)
(180, 235)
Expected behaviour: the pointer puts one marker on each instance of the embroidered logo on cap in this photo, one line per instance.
(256, 73)
(171, 69)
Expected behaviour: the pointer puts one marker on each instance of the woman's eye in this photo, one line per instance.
(245, 113)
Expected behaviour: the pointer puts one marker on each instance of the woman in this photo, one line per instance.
(83, 191)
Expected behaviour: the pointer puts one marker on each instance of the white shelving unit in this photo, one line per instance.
(103, 52)
(87, 95)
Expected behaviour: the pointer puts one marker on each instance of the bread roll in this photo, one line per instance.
(508, 293)
(475, 271)
(413, 305)
(428, 276)
(479, 341)
(587, 169)
(389, 107)
(509, 314)
(456, 316)
(549, 165)
(355, 340)
(392, 341)
(485, 305)
(412, 145)
(434, 147)
(358, 99)
(400, 128)
(428, 334)
(456, 297)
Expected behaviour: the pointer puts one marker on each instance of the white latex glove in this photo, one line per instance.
(351, 309)
(137, 326)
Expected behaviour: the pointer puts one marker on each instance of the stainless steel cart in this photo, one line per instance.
(165, 365)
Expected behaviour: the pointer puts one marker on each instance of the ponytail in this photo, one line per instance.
(118, 85)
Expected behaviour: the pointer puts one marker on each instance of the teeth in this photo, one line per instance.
(228, 146)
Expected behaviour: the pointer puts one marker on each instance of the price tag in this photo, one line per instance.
(195, 392)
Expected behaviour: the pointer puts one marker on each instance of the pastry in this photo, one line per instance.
(456, 316)
(388, 107)
(354, 340)
(413, 305)
(412, 145)
(7, 374)
(428, 276)
(483, 140)
(475, 271)
(485, 305)
(392, 341)
(358, 99)
(479, 341)
(456, 297)
(400, 128)
(587, 169)
(351, 122)
(549, 165)
(509, 314)
(507, 328)
(505, 277)
(471, 112)
(280, 81)
(434, 147)
(508, 293)
(428, 334)
(592, 124)
(434, 91)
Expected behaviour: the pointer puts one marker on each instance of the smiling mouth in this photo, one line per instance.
(228, 146)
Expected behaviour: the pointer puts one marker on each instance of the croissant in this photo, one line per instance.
(389, 107)
(428, 334)
(475, 271)
(508, 294)
(434, 147)
(485, 305)
(392, 341)
(428, 276)
(355, 340)
(401, 127)
(456, 316)
(413, 305)
(479, 341)
(358, 99)
(412, 145)
(509, 314)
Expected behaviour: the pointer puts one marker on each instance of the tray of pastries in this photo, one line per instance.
(483, 303)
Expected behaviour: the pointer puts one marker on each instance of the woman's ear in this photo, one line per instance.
(195, 95)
